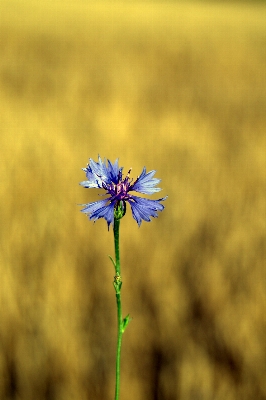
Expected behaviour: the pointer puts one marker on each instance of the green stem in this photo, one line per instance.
(117, 286)
(116, 238)
(119, 343)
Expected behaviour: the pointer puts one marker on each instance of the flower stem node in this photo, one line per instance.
(117, 283)
(126, 321)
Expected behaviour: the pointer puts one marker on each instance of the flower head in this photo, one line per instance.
(108, 176)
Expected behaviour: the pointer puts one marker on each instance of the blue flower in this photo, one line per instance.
(108, 176)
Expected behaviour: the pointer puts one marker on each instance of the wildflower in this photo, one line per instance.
(109, 177)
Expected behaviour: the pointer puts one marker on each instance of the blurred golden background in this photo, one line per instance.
(179, 87)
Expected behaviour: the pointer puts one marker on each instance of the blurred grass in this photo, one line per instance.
(179, 88)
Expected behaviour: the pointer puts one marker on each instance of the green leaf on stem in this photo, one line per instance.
(111, 258)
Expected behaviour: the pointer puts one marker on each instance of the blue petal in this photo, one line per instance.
(114, 171)
(145, 183)
(89, 184)
(100, 209)
(94, 207)
(99, 171)
(143, 209)
(106, 212)
(100, 175)
(93, 180)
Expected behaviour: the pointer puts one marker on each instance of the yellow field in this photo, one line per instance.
(180, 88)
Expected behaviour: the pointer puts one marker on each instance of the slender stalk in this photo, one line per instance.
(117, 286)
(116, 239)
(119, 343)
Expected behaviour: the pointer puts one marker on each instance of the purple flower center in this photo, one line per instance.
(120, 190)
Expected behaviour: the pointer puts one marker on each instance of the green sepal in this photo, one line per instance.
(120, 210)
(125, 322)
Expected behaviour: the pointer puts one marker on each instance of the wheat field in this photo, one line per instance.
(179, 87)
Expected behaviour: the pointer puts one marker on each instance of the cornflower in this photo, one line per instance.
(108, 176)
